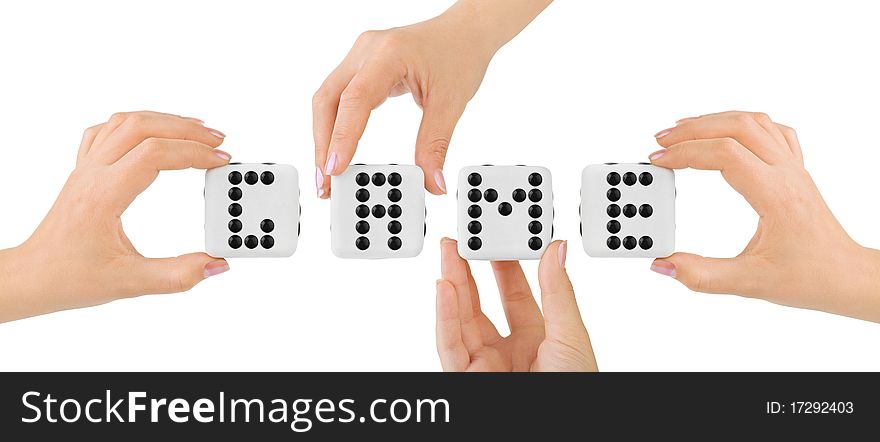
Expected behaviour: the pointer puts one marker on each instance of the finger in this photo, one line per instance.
(173, 275)
(519, 304)
(87, 139)
(325, 104)
(487, 328)
(140, 167)
(745, 172)
(746, 128)
(130, 129)
(367, 90)
(791, 139)
(455, 270)
(562, 319)
(450, 346)
(709, 275)
(432, 143)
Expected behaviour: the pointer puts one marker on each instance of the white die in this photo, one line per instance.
(251, 210)
(628, 210)
(377, 211)
(504, 212)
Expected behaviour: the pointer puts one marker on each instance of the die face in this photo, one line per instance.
(504, 212)
(628, 210)
(252, 210)
(377, 211)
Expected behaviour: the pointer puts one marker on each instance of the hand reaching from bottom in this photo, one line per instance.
(553, 341)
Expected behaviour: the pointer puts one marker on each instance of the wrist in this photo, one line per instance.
(18, 285)
(862, 287)
(493, 23)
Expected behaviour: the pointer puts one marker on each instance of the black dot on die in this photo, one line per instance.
(629, 243)
(394, 179)
(267, 225)
(378, 211)
(474, 211)
(474, 227)
(646, 210)
(234, 177)
(394, 211)
(535, 179)
(267, 178)
(394, 243)
(362, 227)
(629, 178)
(251, 242)
(613, 210)
(613, 194)
(535, 211)
(251, 178)
(362, 179)
(505, 208)
(394, 195)
(362, 211)
(235, 241)
(613, 178)
(646, 178)
(362, 195)
(613, 226)
(535, 195)
(235, 226)
(235, 209)
(394, 227)
(646, 242)
(474, 195)
(362, 243)
(378, 179)
(613, 242)
(474, 243)
(535, 243)
(267, 241)
(629, 210)
(234, 194)
(535, 227)
(519, 195)
(474, 179)
(491, 195)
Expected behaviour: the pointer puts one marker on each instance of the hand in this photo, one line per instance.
(800, 256)
(79, 256)
(467, 340)
(441, 62)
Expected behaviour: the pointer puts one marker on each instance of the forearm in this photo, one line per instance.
(13, 294)
(865, 286)
(497, 20)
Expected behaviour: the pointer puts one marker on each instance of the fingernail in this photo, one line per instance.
(194, 120)
(663, 268)
(319, 181)
(561, 252)
(438, 178)
(685, 119)
(225, 156)
(331, 164)
(216, 268)
(216, 133)
(657, 154)
(662, 133)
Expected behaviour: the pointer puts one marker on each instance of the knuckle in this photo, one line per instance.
(761, 118)
(438, 147)
(353, 95)
(366, 37)
(117, 118)
(319, 98)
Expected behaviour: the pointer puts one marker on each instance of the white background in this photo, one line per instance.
(588, 82)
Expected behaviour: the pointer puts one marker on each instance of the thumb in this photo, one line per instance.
(708, 275)
(562, 319)
(172, 275)
(435, 133)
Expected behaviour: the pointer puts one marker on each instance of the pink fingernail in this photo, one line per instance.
(216, 268)
(225, 156)
(662, 133)
(657, 154)
(663, 268)
(319, 181)
(561, 252)
(331, 164)
(216, 133)
(441, 182)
